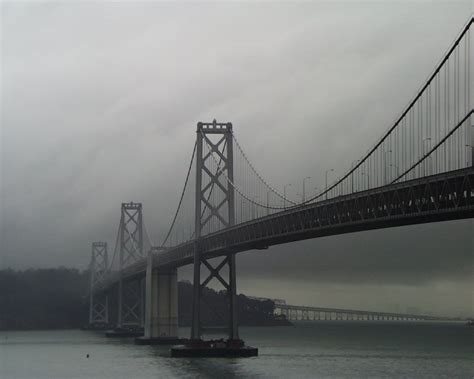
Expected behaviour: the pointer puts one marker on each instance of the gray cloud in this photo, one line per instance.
(100, 101)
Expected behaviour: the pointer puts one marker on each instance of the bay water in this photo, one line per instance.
(326, 349)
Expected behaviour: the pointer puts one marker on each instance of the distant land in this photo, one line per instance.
(57, 299)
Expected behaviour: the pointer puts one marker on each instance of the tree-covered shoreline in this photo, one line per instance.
(57, 298)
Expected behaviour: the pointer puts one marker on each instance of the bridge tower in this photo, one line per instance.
(130, 293)
(99, 304)
(218, 137)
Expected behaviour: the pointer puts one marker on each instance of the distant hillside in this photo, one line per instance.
(214, 310)
(56, 298)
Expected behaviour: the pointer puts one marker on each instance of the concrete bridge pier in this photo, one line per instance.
(161, 306)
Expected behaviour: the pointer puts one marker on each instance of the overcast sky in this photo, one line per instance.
(100, 102)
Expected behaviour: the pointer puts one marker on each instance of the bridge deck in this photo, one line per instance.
(440, 197)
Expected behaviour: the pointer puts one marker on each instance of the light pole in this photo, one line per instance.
(467, 155)
(352, 174)
(316, 190)
(284, 193)
(368, 179)
(472, 141)
(241, 210)
(385, 166)
(424, 160)
(326, 176)
(304, 192)
(254, 208)
(397, 168)
(268, 202)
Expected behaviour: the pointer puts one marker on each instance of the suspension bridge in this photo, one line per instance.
(420, 171)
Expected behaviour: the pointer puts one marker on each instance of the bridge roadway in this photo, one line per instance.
(301, 312)
(439, 197)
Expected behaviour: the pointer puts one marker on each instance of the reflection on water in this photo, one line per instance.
(307, 350)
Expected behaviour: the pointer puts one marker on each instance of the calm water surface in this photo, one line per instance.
(307, 350)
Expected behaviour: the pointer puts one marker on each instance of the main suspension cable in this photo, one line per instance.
(400, 118)
(435, 147)
(258, 175)
(115, 249)
(182, 196)
(148, 236)
(220, 171)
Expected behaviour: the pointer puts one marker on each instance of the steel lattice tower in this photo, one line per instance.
(98, 305)
(224, 212)
(130, 302)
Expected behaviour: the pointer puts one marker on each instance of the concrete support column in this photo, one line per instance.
(162, 313)
(142, 303)
(161, 306)
(471, 119)
(120, 303)
(196, 321)
(106, 309)
(91, 308)
(234, 329)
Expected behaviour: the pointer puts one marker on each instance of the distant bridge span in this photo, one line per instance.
(308, 313)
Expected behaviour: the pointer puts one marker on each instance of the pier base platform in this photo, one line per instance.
(160, 341)
(99, 327)
(124, 332)
(214, 349)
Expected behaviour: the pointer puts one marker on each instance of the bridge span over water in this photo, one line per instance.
(420, 171)
(309, 313)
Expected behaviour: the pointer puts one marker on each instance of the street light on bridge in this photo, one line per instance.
(429, 157)
(300, 195)
(326, 181)
(255, 207)
(352, 174)
(385, 166)
(397, 169)
(268, 202)
(467, 157)
(304, 192)
(284, 193)
(316, 191)
(368, 178)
